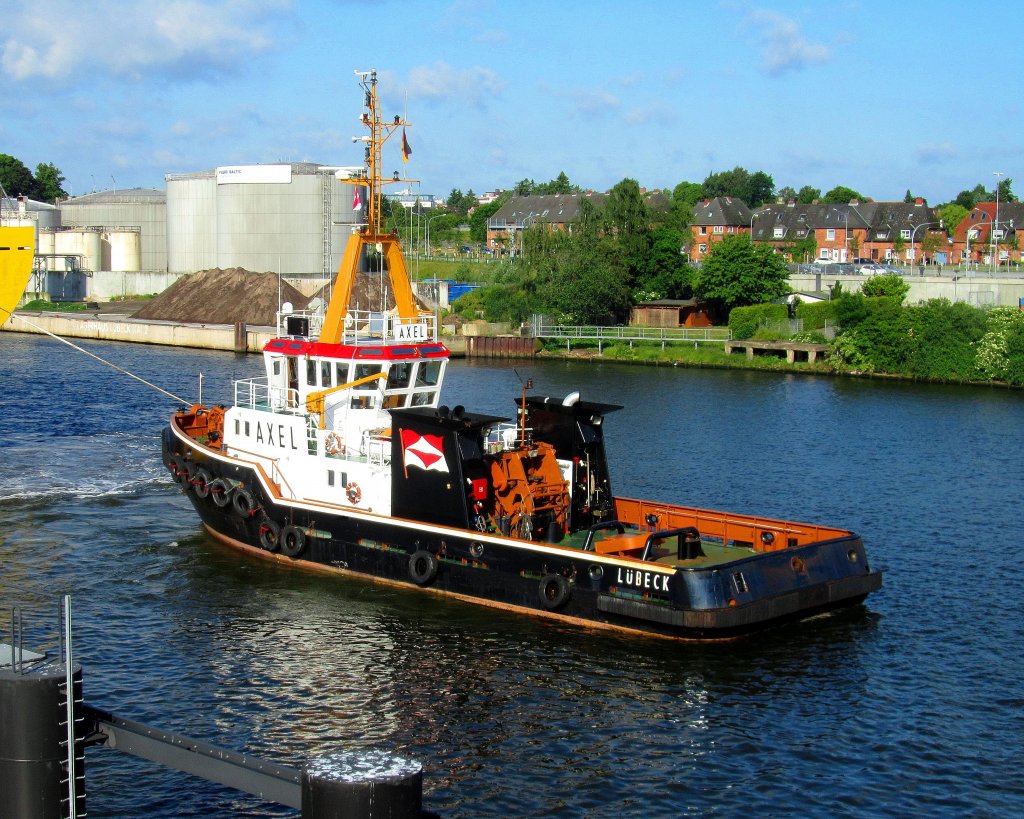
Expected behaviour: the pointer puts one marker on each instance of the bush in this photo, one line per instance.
(945, 339)
(744, 322)
(816, 316)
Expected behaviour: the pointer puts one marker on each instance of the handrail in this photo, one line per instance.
(663, 334)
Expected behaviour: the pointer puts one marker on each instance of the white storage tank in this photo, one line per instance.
(143, 210)
(290, 219)
(122, 250)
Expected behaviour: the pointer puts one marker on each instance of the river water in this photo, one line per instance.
(910, 705)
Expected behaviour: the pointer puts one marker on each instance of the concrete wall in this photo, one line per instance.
(980, 289)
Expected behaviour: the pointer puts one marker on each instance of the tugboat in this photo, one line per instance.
(342, 457)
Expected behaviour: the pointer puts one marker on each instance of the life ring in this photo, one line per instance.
(293, 541)
(243, 502)
(353, 492)
(220, 492)
(554, 591)
(270, 535)
(333, 444)
(200, 481)
(422, 567)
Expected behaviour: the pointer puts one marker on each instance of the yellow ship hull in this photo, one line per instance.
(17, 248)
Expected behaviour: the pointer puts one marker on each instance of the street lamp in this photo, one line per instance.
(429, 220)
(846, 231)
(995, 221)
(967, 250)
(913, 233)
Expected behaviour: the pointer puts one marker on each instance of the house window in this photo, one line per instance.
(702, 230)
(732, 229)
(702, 248)
(998, 234)
(830, 235)
(905, 233)
(823, 253)
(719, 229)
(779, 232)
(972, 233)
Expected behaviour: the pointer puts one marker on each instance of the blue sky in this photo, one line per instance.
(878, 96)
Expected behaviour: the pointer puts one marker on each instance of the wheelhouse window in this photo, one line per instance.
(340, 373)
(311, 372)
(325, 374)
(428, 373)
(399, 375)
(364, 371)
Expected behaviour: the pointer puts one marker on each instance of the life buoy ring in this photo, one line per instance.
(270, 535)
(243, 502)
(200, 481)
(554, 591)
(293, 541)
(220, 492)
(353, 492)
(333, 444)
(422, 567)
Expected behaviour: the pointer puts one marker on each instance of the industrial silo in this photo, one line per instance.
(290, 219)
(142, 210)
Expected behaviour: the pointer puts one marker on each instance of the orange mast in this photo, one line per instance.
(371, 233)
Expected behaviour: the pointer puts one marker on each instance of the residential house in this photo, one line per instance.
(973, 238)
(713, 220)
(556, 211)
(891, 232)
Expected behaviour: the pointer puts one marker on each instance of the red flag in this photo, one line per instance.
(357, 202)
(424, 451)
(406, 150)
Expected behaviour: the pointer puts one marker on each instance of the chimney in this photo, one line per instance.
(855, 202)
(919, 201)
(707, 201)
(22, 207)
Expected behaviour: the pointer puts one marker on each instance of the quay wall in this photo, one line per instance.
(978, 289)
(114, 327)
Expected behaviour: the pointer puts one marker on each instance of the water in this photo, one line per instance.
(910, 705)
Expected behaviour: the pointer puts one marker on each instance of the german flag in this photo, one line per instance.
(406, 150)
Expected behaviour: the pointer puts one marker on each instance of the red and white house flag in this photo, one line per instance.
(423, 451)
(357, 202)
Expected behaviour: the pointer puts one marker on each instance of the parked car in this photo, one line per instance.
(863, 260)
(823, 261)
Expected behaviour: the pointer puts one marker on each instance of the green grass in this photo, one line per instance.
(55, 306)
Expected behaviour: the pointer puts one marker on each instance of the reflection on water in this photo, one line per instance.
(888, 709)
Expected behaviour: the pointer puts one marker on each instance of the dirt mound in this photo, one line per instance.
(223, 297)
(371, 291)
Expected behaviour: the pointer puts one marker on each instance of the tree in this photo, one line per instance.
(840, 195)
(627, 220)
(478, 221)
(892, 286)
(969, 198)
(666, 274)
(908, 197)
(736, 272)
(16, 178)
(754, 189)
(49, 179)
(951, 216)
(786, 193)
(807, 194)
(1006, 190)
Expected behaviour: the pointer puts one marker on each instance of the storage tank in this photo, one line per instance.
(290, 219)
(140, 209)
(122, 250)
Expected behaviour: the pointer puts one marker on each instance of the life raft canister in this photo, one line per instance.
(333, 444)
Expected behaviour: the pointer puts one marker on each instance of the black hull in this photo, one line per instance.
(535, 578)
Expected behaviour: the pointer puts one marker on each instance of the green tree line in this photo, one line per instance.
(43, 186)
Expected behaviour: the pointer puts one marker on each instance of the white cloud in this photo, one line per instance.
(930, 154)
(58, 40)
(441, 83)
(591, 103)
(783, 47)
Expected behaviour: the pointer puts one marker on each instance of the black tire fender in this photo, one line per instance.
(422, 567)
(554, 591)
(200, 481)
(179, 470)
(220, 492)
(270, 535)
(243, 502)
(293, 541)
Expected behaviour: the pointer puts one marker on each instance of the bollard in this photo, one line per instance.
(371, 784)
(33, 738)
(241, 337)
